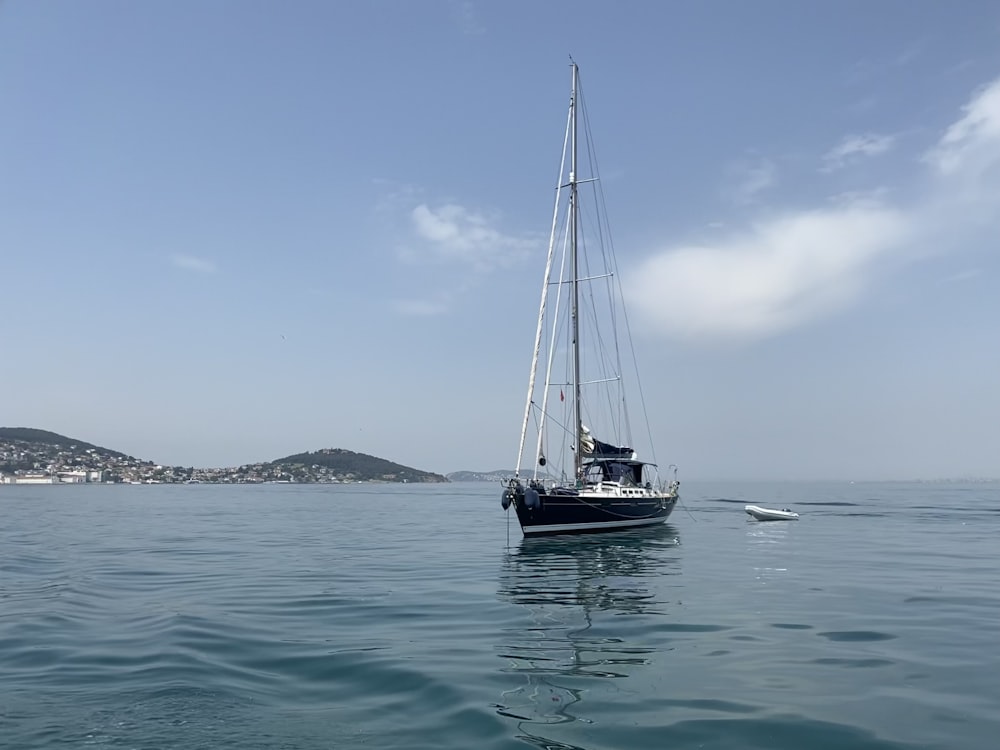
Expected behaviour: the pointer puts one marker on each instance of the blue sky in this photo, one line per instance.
(234, 230)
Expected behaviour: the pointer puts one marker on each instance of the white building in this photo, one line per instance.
(77, 476)
(31, 479)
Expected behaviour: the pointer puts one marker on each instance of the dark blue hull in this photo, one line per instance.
(564, 513)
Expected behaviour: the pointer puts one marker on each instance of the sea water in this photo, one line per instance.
(397, 616)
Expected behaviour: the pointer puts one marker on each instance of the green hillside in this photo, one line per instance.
(25, 450)
(54, 439)
(359, 466)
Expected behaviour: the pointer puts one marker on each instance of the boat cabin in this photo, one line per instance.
(626, 473)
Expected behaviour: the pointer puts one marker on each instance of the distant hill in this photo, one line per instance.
(28, 451)
(480, 476)
(358, 466)
(487, 476)
(54, 439)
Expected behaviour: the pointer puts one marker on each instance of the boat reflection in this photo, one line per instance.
(573, 591)
(596, 572)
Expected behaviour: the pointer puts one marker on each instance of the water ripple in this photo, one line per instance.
(311, 617)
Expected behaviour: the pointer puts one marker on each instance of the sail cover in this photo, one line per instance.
(606, 450)
(594, 448)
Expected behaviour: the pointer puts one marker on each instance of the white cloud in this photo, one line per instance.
(970, 145)
(747, 180)
(855, 147)
(966, 275)
(801, 265)
(908, 55)
(460, 244)
(421, 307)
(862, 105)
(865, 70)
(467, 17)
(779, 274)
(871, 197)
(452, 232)
(190, 263)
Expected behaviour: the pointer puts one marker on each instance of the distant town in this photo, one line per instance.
(31, 456)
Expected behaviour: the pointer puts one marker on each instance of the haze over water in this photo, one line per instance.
(379, 616)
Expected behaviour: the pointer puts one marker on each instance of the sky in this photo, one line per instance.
(233, 230)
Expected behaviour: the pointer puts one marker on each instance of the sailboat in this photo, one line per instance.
(577, 470)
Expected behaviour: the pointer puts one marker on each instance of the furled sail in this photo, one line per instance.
(594, 448)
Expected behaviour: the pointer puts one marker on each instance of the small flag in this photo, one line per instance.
(561, 396)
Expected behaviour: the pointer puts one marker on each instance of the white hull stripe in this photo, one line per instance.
(549, 528)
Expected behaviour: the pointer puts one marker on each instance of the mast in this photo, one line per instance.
(575, 314)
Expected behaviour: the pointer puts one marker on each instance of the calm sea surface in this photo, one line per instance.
(373, 616)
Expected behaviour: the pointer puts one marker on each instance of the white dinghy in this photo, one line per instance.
(770, 514)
